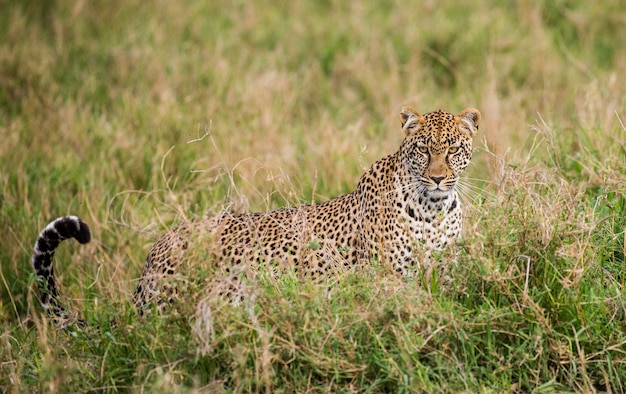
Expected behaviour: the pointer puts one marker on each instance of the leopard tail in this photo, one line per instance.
(49, 239)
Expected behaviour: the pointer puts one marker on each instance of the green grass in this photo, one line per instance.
(136, 115)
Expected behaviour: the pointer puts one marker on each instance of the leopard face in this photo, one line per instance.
(438, 146)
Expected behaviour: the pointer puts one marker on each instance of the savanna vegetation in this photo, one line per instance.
(135, 115)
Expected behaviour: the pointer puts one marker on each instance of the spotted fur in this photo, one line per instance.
(49, 239)
(404, 207)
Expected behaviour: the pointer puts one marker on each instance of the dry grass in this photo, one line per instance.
(135, 115)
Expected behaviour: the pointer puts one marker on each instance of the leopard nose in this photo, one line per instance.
(437, 179)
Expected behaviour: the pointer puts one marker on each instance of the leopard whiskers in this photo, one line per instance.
(417, 187)
(471, 194)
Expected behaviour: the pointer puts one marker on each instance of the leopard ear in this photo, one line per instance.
(411, 120)
(468, 121)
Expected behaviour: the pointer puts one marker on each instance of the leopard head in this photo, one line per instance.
(438, 146)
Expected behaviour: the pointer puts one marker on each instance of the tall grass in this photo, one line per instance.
(136, 115)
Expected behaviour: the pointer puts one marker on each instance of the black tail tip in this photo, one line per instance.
(84, 234)
(72, 226)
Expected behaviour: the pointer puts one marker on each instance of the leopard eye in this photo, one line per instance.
(453, 149)
(422, 149)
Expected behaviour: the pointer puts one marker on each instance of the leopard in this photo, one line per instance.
(404, 208)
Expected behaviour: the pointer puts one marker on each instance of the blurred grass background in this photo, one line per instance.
(135, 115)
